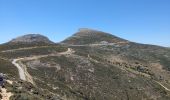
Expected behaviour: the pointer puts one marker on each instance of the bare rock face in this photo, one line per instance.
(31, 38)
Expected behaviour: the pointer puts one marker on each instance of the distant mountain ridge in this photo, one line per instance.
(84, 36)
(90, 36)
(31, 38)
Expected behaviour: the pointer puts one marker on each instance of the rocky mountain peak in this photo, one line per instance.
(31, 38)
(90, 36)
(88, 32)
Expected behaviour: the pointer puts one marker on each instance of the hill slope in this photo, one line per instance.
(89, 36)
(83, 69)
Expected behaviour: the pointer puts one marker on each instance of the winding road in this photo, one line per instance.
(20, 69)
(23, 74)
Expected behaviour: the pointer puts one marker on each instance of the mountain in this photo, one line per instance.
(90, 36)
(31, 38)
(90, 65)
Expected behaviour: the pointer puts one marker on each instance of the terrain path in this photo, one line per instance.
(163, 86)
(22, 69)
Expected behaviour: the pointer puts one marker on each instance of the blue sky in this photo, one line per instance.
(143, 21)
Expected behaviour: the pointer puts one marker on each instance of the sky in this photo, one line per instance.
(142, 21)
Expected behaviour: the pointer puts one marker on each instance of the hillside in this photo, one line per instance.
(90, 65)
(29, 40)
(90, 36)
